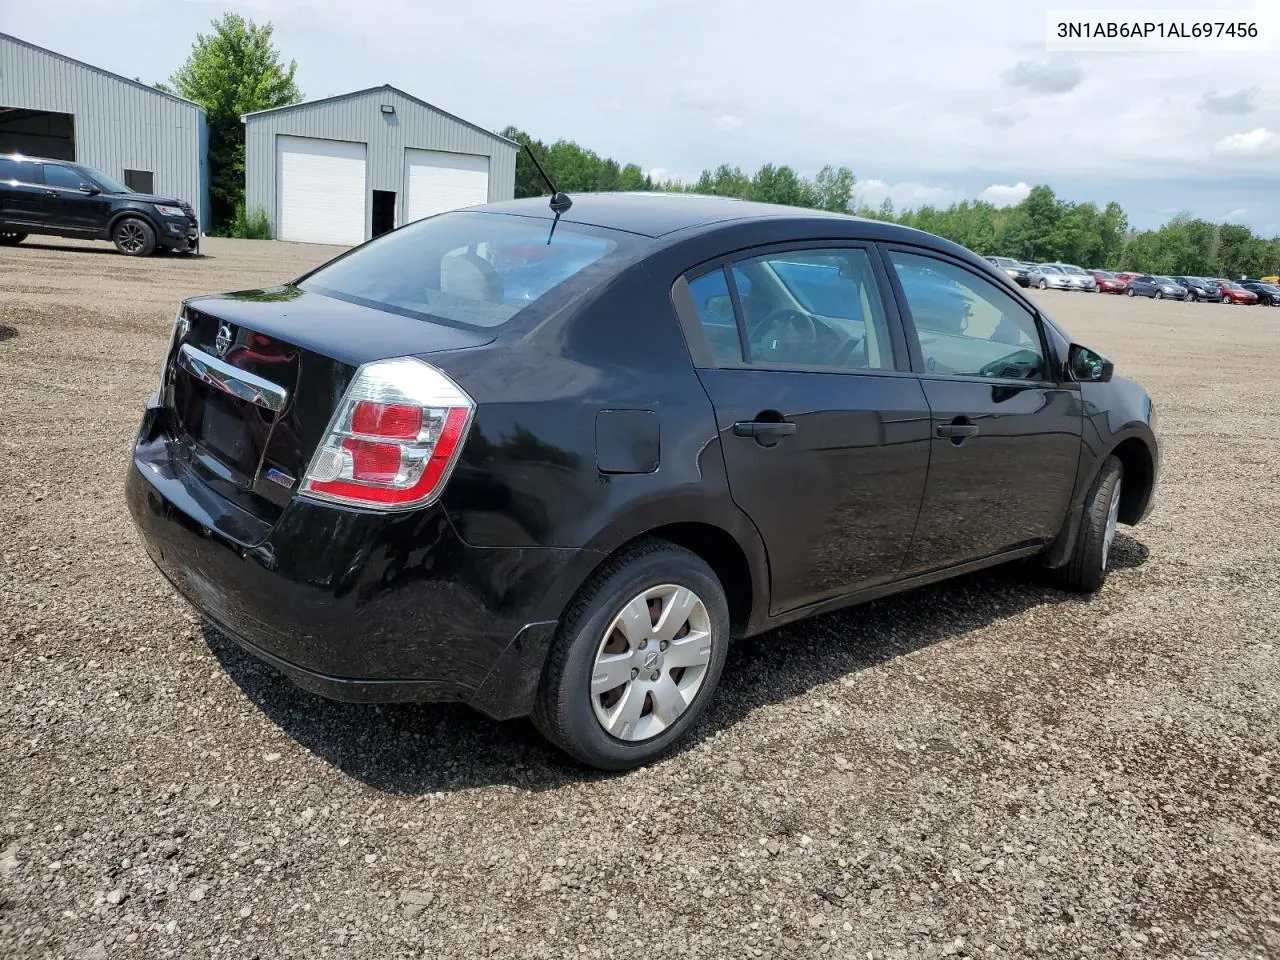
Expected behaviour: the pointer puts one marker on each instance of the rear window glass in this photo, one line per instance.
(24, 171)
(469, 269)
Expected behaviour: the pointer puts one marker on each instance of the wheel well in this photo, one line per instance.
(722, 554)
(137, 215)
(1138, 475)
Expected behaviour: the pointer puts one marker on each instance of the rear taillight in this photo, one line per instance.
(394, 438)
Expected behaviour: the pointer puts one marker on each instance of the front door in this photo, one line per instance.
(1006, 434)
(71, 207)
(825, 439)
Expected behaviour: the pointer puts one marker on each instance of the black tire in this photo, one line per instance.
(1086, 570)
(1128, 292)
(11, 239)
(1157, 295)
(1043, 284)
(564, 711)
(134, 237)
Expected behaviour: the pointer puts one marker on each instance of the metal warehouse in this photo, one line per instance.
(56, 107)
(347, 168)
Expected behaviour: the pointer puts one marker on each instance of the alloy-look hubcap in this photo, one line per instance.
(131, 236)
(651, 662)
(1113, 520)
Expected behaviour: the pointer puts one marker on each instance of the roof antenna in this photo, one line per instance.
(560, 202)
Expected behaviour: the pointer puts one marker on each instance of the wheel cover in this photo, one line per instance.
(1113, 520)
(651, 662)
(131, 236)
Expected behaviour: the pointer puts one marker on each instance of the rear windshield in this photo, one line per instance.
(470, 269)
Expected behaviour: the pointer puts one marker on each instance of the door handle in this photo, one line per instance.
(51, 193)
(958, 429)
(767, 432)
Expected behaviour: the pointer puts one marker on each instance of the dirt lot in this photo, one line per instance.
(986, 768)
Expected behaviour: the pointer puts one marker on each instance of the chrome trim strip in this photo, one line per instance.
(232, 380)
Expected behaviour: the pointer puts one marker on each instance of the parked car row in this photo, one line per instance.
(1067, 276)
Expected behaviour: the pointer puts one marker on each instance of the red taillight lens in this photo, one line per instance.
(395, 421)
(393, 439)
(373, 462)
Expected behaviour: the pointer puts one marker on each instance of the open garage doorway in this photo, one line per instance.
(37, 133)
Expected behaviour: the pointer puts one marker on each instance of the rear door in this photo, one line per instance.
(825, 432)
(22, 194)
(1006, 433)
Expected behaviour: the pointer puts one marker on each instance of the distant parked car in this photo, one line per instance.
(1043, 276)
(61, 199)
(1201, 288)
(1126, 275)
(1268, 293)
(1158, 288)
(1108, 282)
(1233, 292)
(1080, 279)
(1014, 269)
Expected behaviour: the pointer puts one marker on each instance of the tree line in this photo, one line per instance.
(235, 69)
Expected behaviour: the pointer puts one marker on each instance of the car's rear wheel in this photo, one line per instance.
(134, 237)
(1087, 568)
(636, 659)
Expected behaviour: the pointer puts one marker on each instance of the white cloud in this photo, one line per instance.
(1257, 142)
(728, 122)
(1003, 195)
(658, 174)
(1001, 117)
(906, 195)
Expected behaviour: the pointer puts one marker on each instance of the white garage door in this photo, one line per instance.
(435, 182)
(320, 189)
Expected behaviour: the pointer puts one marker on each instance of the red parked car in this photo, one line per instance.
(1109, 282)
(1234, 293)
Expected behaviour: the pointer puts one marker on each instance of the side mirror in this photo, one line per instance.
(1087, 366)
(89, 189)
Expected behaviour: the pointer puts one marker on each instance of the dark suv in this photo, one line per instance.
(551, 466)
(61, 199)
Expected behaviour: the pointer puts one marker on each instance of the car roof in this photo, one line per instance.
(655, 215)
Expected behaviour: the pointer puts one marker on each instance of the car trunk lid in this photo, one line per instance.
(255, 378)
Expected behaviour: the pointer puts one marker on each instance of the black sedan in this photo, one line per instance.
(552, 465)
(1200, 288)
(1268, 293)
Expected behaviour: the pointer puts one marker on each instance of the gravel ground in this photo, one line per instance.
(985, 768)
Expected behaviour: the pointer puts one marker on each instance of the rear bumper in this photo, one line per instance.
(353, 605)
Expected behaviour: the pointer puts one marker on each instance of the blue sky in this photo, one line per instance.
(925, 101)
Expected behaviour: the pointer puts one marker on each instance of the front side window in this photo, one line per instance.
(62, 177)
(813, 308)
(968, 326)
(471, 269)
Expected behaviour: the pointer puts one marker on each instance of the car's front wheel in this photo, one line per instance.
(1043, 284)
(1087, 568)
(134, 237)
(637, 657)
(8, 239)
(1129, 292)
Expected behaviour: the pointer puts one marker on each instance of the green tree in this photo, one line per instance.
(833, 189)
(231, 71)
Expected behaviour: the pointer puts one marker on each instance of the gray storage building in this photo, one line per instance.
(56, 107)
(347, 168)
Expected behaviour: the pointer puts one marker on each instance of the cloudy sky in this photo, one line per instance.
(927, 101)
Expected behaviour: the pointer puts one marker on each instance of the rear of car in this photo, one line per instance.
(325, 469)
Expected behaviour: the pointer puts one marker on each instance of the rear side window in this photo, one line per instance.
(23, 171)
(710, 294)
(814, 308)
(966, 325)
(471, 269)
